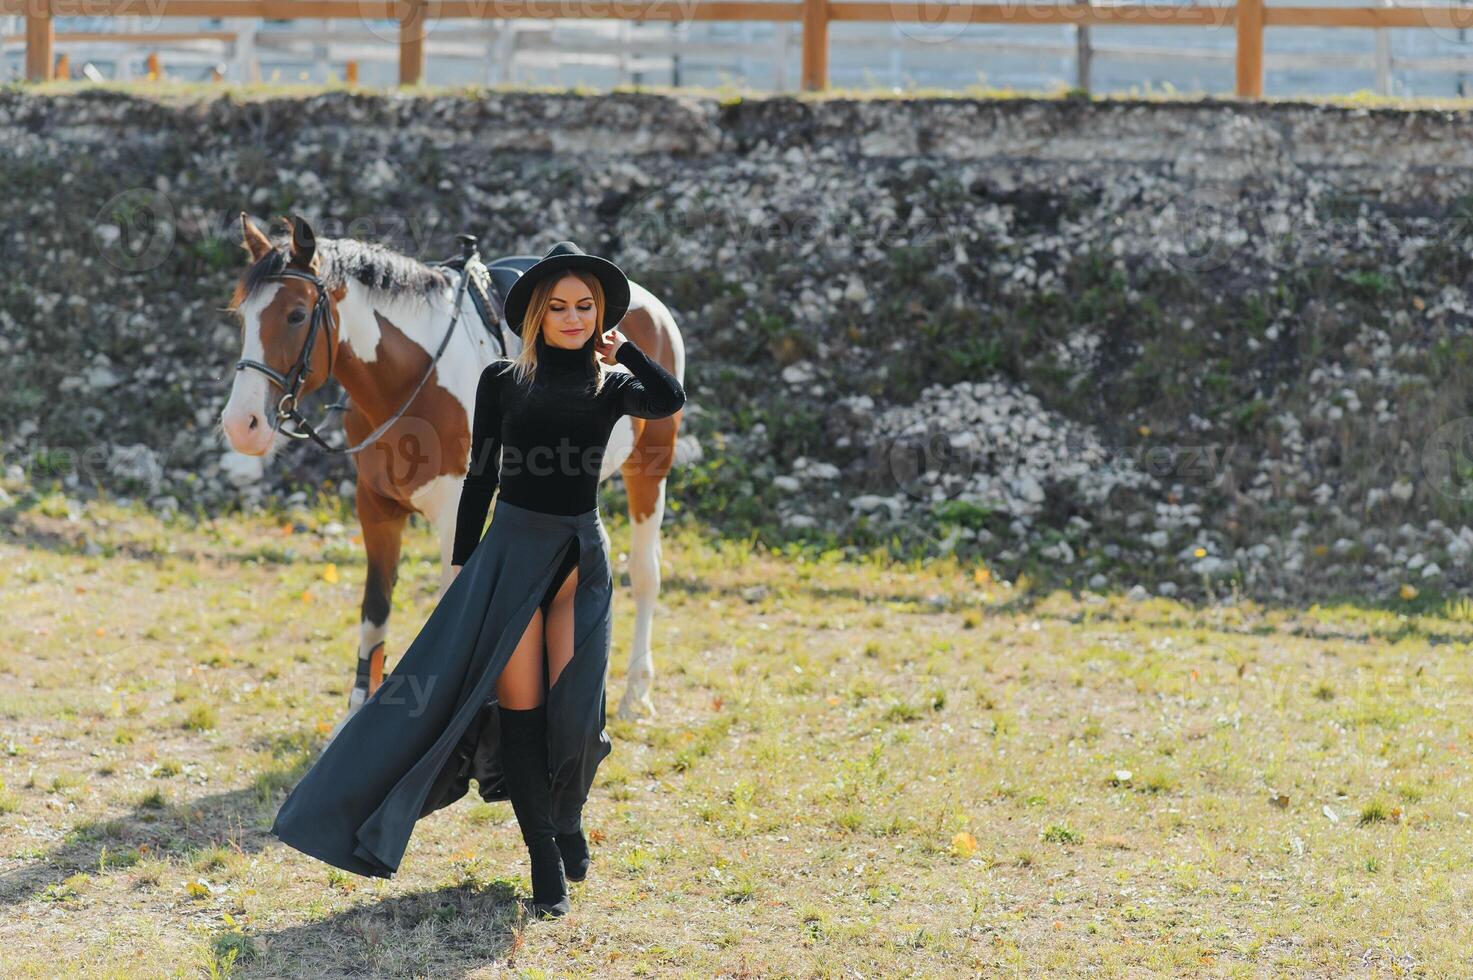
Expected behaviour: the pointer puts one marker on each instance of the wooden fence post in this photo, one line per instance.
(1083, 54)
(1250, 49)
(412, 43)
(815, 45)
(40, 43)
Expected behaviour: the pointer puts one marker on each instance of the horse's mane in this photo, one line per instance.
(387, 274)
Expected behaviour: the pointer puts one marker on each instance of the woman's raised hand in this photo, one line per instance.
(608, 345)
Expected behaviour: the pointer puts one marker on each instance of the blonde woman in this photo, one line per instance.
(505, 682)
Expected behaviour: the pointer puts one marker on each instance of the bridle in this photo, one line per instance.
(291, 382)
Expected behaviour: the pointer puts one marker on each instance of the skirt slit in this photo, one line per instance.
(571, 557)
(433, 725)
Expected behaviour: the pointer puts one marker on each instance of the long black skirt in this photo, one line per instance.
(433, 723)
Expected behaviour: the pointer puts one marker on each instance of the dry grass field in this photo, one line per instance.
(860, 769)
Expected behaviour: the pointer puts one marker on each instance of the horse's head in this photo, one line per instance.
(289, 335)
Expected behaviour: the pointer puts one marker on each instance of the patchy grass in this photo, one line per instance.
(861, 768)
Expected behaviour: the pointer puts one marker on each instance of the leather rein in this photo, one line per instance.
(291, 382)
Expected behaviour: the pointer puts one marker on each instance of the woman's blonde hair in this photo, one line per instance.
(524, 365)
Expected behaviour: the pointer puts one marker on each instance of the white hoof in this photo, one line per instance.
(355, 701)
(634, 707)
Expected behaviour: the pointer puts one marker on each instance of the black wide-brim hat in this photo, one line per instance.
(566, 257)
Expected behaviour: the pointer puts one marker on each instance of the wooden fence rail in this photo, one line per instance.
(1248, 19)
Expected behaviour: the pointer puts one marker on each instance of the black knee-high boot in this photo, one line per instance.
(524, 759)
(574, 849)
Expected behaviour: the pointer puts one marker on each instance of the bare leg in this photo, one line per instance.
(524, 724)
(559, 634)
(523, 718)
(549, 635)
(559, 631)
(520, 684)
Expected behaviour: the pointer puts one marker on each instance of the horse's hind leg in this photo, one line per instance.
(382, 521)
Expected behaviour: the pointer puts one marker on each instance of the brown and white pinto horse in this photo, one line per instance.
(386, 316)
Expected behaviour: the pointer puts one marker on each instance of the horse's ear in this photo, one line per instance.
(304, 243)
(252, 239)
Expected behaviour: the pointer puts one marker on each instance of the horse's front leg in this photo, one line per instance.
(646, 510)
(382, 521)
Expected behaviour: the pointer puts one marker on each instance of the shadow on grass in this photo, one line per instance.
(445, 932)
(159, 828)
(448, 931)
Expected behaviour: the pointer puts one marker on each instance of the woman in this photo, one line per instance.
(505, 682)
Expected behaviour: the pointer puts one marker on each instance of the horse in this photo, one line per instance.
(382, 318)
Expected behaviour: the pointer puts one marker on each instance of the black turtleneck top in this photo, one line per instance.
(552, 433)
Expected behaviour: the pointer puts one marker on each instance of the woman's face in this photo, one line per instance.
(571, 317)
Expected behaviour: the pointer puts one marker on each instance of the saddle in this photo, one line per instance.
(488, 284)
